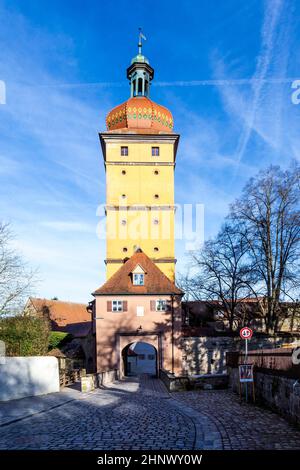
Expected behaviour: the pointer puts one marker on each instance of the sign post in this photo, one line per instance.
(246, 370)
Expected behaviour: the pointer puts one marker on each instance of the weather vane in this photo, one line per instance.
(141, 36)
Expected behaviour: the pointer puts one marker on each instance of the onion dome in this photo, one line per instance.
(139, 112)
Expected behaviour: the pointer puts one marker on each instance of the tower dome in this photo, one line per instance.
(139, 112)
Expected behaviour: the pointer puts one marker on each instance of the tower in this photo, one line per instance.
(139, 150)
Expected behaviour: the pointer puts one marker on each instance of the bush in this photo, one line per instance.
(57, 339)
(25, 336)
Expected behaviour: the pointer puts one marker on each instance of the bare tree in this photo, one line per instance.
(16, 279)
(221, 275)
(268, 218)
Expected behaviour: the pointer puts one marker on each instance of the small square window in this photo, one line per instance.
(151, 357)
(141, 357)
(124, 151)
(138, 279)
(161, 305)
(117, 306)
(155, 151)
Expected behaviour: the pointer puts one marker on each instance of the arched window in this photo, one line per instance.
(140, 86)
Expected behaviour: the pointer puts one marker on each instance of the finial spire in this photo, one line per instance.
(141, 36)
(140, 73)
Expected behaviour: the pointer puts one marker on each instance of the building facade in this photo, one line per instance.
(139, 304)
(137, 312)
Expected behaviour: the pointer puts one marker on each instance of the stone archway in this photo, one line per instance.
(124, 343)
(139, 357)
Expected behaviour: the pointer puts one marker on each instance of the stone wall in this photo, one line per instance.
(106, 377)
(28, 376)
(207, 354)
(176, 383)
(281, 394)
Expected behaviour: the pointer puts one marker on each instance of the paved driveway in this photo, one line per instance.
(141, 414)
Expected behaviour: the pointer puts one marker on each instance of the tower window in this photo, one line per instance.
(156, 196)
(123, 196)
(123, 222)
(155, 221)
(125, 249)
(156, 172)
(156, 249)
(155, 151)
(124, 151)
(140, 86)
(138, 279)
(123, 172)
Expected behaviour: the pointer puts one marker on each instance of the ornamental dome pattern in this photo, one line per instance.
(140, 113)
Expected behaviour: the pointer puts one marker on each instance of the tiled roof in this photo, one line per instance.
(69, 317)
(156, 282)
(138, 113)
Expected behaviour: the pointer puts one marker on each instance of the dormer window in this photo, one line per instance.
(138, 279)
(138, 275)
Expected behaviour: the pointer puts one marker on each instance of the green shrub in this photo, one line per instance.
(57, 339)
(25, 336)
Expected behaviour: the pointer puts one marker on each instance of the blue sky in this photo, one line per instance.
(223, 68)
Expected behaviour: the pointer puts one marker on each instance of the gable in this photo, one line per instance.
(155, 282)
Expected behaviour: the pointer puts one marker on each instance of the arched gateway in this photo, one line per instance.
(139, 358)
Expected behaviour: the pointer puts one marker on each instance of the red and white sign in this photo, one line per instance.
(246, 333)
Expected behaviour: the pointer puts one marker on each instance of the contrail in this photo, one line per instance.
(180, 83)
(271, 21)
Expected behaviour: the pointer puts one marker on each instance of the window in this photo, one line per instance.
(155, 151)
(156, 196)
(123, 196)
(155, 221)
(124, 151)
(117, 306)
(138, 279)
(125, 249)
(161, 305)
(156, 249)
(123, 222)
(151, 357)
(156, 172)
(123, 172)
(141, 357)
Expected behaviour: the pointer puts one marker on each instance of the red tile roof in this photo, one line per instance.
(156, 282)
(69, 317)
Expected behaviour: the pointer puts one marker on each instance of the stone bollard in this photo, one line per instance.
(87, 383)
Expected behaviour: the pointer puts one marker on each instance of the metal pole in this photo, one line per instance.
(246, 358)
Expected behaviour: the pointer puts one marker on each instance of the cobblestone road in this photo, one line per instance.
(142, 415)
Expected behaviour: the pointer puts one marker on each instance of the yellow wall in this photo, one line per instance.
(139, 185)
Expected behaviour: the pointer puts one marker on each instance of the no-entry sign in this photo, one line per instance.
(246, 333)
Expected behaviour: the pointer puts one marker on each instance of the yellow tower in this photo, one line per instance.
(139, 150)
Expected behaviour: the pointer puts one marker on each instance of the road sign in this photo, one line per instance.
(246, 372)
(246, 333)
